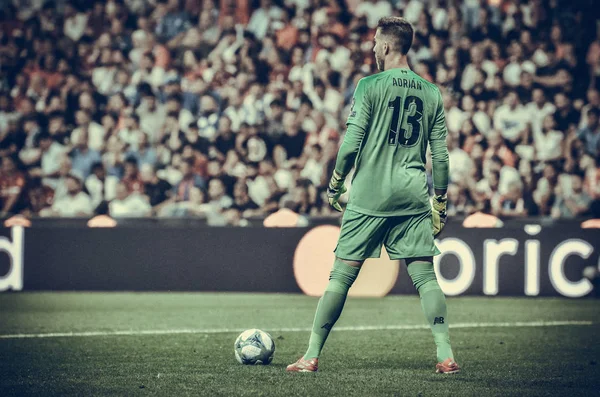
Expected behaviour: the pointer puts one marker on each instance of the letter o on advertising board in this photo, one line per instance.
(314, 258)
(466, 260)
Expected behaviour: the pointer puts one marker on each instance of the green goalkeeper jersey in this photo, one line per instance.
(394, 116)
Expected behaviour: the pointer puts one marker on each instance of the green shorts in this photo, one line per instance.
(409, 236)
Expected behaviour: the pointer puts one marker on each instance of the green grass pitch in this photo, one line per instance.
(178, 356)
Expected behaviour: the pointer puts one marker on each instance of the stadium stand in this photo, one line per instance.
(225, 109)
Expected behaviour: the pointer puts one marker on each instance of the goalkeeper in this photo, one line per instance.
(395, 114)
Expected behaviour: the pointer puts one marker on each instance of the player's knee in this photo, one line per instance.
(425, 281)
(423, 276)
(343, 273)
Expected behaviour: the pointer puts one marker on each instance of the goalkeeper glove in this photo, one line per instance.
(335, 189)
(438, 213)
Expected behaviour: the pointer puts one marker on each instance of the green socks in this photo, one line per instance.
(330, 305)
(341, 279)
(433, 303)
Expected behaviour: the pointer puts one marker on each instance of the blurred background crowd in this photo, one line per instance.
(231, 109)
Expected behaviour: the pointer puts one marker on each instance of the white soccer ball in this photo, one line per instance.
(254, 346)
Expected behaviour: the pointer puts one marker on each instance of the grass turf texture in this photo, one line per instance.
(554, 360)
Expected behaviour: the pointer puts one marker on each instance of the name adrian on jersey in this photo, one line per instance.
(406, 83)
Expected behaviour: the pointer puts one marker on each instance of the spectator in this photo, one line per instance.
(174, 22)
(31, 127)
(57, 128)
(152, 116)
(548, 142)
(565, 116)
(217, 195)
(593, 99)
(572, 201)
(132, 179)
(74, 204)
(497, 147)
(314, 169)
(592, 187)
(195, 206)
(374, 10)
(261, 19)
(225, 140)
(13, 140)
(143, 153)
(293, 140)
(511, 119)
(75, 23)
(148, 72)
(510, 204)
(12, 184)
(100, 186)
(128, 204)
(156, 189)
(539, 108)
(51, 153)
(590, 135)
(189, 180)
(461, 164)
(242, 201)
(518, 65)
(94, 133)
(130, 133)
(39, 198)
(478, 65)
(236, 113)
(83, 156)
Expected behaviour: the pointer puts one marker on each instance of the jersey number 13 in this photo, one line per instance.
(405, 130)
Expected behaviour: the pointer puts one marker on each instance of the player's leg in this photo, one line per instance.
(330, 306)
(411, 239)
(433, 302)
(360, 238)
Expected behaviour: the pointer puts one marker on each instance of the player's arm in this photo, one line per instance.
(440, 162)
(356, 127)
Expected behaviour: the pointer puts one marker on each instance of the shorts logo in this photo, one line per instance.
(438, 320)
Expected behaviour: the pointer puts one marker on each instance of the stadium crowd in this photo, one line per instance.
(228, 109)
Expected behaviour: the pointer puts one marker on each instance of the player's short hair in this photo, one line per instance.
(400, 30)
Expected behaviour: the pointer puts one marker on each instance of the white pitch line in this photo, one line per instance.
(304, 329)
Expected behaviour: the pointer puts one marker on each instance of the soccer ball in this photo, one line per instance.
(254, 346)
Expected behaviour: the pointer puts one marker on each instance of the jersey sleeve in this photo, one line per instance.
(360, 110)
(439, 147)
(357, 125)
